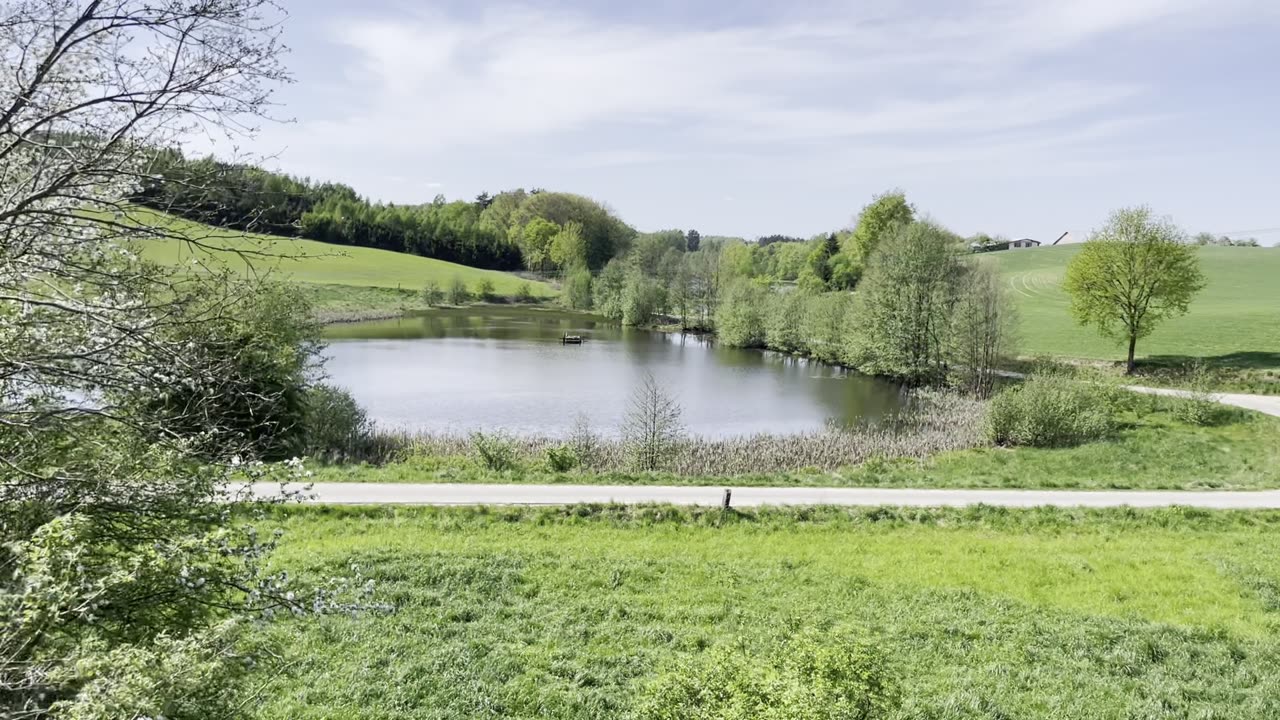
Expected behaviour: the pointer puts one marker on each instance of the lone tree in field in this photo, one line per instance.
(651, 427)
(1131, 275)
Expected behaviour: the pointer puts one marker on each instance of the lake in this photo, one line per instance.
(506, 369)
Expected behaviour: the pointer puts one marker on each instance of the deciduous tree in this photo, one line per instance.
(1134, 273)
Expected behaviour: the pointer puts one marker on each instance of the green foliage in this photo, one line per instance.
(432, 295)
(562, 458)
(496, 452)
(784, 323)
(535, 240)
(827, 321)
(812, 676)
(254, 360)
(603, 236)
(904, 304)
(981, 335)
(607, 290)
(642, 297)
(458, 293)
(334, 427)
(569, 246)
(524, 293)
(740, 319)
(877, 221)
(1133, 274)
(485, 290)
(1049, 411)
(577, 289)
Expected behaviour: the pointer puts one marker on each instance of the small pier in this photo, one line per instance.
(571, 339)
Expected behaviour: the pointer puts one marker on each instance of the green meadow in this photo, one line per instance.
(611, 612)
(1234, 321)
(332, 267)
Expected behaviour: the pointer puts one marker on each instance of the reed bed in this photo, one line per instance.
(932, 423)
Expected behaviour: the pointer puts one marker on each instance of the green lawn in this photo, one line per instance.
(980, 613)
(1152, 451)
(1235, 321)
(307, 261)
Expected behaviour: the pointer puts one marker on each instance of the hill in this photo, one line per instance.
(308, 261)
(1235, 320)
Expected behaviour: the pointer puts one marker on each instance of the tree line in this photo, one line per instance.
(538, 230)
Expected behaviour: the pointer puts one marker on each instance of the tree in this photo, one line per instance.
(577, 288)
(607, 289)
(535, 240)
(877, 221)
(651, 427)
(693, 240)
(128, 575)
(904, 303)
(458, 293)
(1132, 274)
(432, 295)
(784, 322)
(740, 316)
(983, 322)
(568, 247)
(486, 291)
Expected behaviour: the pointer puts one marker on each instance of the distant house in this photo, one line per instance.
(999, 245)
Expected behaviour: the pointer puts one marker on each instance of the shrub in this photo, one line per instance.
(495, 451)
(740, 320)
(485, 290)
(584, 442)
(1051, 411)
(334, 426)
(524, 293)
(561, 458)
(809, 677)
(458, 294)
(432, 295)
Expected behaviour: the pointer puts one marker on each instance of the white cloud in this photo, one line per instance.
(431, 81)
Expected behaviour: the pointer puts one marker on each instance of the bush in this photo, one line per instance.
(432, 295)
(524, 293)
(809, 677)
(1051, 411)
(561, 458)
(334, 425)
(485, 290)
(496, 452)
(458, 294)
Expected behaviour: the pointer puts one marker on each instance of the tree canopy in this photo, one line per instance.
(1134, 273)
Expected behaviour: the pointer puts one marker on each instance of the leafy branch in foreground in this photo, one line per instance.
(128, 565)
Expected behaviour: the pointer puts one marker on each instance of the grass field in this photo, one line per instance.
(595, 613)
(307, 261)
(1152, 451)
(1234, 321)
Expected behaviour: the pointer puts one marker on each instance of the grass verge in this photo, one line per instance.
(978, 613)
(1152, 450)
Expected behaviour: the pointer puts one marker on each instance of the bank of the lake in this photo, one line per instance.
(1152, 451)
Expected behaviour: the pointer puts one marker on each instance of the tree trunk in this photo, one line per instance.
(1133, 343)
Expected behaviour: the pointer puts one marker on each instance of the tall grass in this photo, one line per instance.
(932, 423)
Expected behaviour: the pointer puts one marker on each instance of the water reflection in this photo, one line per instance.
(506, 368)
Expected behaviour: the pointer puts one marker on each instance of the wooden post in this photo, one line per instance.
(724, 501)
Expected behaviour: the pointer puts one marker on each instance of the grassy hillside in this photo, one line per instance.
(595, 612)
(307, 261)
(1235, 320)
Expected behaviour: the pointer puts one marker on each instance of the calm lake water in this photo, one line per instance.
(462, 370)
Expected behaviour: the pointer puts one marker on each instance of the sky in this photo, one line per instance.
(1025, 118)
